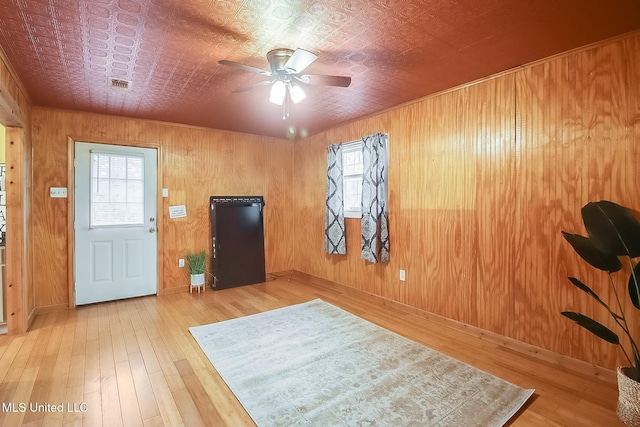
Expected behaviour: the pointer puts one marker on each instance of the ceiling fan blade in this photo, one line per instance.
(251, 87)
(300, 60)
(324, 80)
(244, 67)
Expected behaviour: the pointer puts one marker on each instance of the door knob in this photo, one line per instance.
(152, 230)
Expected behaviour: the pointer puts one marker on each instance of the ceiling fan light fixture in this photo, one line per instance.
(278, 92)
(287, 66)
(297, 94)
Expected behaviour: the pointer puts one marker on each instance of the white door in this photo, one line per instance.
(115, 222)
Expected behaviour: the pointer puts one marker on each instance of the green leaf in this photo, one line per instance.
(197, 262)
(592, 326)
(585, 247)
(577, 283)
(634, 286)
(612, 228)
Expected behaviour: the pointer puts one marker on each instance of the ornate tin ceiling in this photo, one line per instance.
(67, 51)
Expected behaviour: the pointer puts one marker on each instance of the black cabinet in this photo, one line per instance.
(237, 239)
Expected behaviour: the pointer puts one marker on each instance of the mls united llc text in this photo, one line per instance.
(43, 407)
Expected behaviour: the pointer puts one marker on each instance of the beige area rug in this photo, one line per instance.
(314, 364)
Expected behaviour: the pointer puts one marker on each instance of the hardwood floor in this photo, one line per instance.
(133, 362)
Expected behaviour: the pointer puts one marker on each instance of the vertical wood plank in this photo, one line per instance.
(19, 292)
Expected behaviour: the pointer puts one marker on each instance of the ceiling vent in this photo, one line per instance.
(120, 84)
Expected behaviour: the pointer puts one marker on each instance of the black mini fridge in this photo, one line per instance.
(237, 239)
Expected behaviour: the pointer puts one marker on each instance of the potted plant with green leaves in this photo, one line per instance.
(197, 263)
(613, 232)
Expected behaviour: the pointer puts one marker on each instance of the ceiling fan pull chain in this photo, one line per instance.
(285, 105)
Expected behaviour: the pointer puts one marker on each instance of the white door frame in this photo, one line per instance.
(71, 208)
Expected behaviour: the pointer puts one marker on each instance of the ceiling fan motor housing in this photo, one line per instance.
(278, 58)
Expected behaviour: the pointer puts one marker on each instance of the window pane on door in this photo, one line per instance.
(117, 190)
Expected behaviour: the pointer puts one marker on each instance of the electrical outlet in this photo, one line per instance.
(403, 275)
(58, 192)
(181, 262)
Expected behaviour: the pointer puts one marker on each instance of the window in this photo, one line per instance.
(117, 190)
(352, 179)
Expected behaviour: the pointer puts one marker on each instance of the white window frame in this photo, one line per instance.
(348, 148)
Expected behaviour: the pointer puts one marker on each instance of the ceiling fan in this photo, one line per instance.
(286, 78)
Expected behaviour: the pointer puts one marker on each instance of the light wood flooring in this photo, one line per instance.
(133, 362)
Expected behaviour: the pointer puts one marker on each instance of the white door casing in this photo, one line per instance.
(115, 222)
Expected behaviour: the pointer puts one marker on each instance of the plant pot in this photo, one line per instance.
(197, 279)
(628, 398)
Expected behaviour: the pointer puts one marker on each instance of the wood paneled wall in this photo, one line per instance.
(15, 105)
(195, 163)
(15, 115)
(482, 180)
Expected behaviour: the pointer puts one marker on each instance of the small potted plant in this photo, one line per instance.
(197, 263)
(613, 232)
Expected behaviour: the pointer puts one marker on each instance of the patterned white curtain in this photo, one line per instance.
(334, 234)
(375, 215)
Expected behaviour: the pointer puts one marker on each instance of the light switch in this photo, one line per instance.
(165, 192)
(58, 192)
